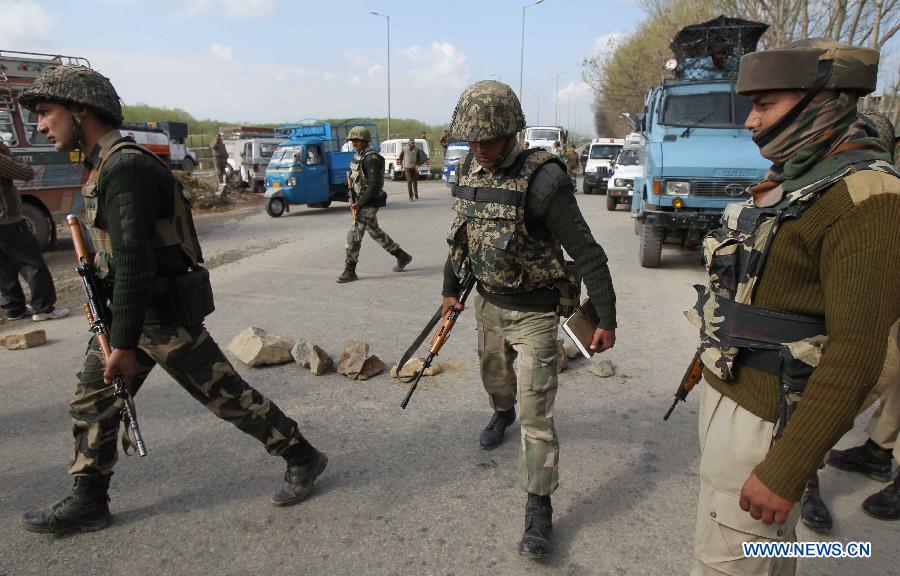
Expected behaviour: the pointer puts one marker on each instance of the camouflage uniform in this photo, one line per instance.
(752, 354)
(367, 219)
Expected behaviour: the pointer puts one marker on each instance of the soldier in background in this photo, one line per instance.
(220, 158)
(366, 182)
(570, 159)
(525, 198)
(148, 263)
(815, 276)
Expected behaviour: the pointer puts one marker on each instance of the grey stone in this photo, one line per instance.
(413, 365)
(571, 349)
(353, 358)
(24, 340)
(256, 347)
(562, 360)
(301, 353)
(371, 367)
(319, 361)
(603, 369)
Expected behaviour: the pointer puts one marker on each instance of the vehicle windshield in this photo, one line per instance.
(456, 153)
(266, 150)
(628, 158)
(711, 109)
(284, 157)
(604, 151)
(547, 134)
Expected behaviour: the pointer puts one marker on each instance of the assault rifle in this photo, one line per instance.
(691, 376)
(98, 316)
(448, 319)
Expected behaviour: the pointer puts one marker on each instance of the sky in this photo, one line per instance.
(273, 61)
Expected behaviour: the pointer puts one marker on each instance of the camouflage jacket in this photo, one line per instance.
(489, 237)
(735, 257)
(366, 176)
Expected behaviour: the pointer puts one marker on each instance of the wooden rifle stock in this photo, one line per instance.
(691, 377)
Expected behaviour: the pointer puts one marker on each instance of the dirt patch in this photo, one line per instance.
(228, 256)
(206, 195)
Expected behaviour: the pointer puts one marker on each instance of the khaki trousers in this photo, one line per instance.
(885, 422)
(732, 442)
(503, 336)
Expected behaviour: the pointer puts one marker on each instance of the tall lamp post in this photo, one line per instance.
(538, 96)
(388, 68)
(522, 51)
(556, 104)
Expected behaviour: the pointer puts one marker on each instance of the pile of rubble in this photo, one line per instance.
(206, 194)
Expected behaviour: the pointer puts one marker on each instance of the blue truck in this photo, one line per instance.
(697, 156)
(311, 166)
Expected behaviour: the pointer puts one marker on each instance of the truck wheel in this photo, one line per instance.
(187, 165)
(229, 172)
(611, 203)
(394, 174)
(275, 207)
(586, 188)
(39, 223)
(651, 245)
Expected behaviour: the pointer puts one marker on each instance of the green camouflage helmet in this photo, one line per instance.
(487, 110)
(796, 66)
(359, 133)
(74, 84)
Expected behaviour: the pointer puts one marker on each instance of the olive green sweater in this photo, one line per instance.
(839, 261)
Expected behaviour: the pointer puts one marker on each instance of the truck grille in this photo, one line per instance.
(724, 188)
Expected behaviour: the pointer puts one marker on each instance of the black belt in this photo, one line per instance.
(492, 195)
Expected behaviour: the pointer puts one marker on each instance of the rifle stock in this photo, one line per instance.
(690, 379)
(98, 316)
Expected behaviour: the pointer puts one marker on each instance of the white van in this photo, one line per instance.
(598, 168)
(249, 158)
(544, 137)
(390, 149)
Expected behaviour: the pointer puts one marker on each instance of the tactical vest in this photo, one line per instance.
(488, 236)
(176, 230)
(787, 344)
(357, 172)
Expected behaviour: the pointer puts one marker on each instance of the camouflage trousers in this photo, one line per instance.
(367, 220)
(195, 361)
(503, 336)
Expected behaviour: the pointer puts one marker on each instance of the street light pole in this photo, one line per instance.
(522, 51)
(388, 69)
(538, 96)
(556, 103)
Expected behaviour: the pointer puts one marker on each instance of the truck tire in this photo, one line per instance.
(611, 203)
(394, 174)
(187, 165)
(651, 245)
(40, 223)
(275, 207)
(229, 172)
(586, 188)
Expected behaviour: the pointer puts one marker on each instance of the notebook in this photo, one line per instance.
(581, 325)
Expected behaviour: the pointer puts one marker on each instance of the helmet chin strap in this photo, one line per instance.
(77, 135)
(506, 150)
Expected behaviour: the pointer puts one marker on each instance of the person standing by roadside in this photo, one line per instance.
(148, 262)
(411, 157)
(366, 182)
(802, 296)
(515, 213)
(220, 158)
(20, 252)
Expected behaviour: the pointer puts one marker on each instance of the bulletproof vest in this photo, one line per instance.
(357, 172)
(175, 230)
(488, 236)
(735, 256)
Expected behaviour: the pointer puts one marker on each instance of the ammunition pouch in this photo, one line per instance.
(569, 291)
(185, 299)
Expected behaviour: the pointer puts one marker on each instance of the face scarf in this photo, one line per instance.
(810, 148)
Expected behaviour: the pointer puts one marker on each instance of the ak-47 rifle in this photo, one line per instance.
(98, 316)
(691, 376)
(448, 319)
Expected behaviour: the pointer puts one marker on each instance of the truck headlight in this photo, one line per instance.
(677, 188)
(291, 182)
(619, 183)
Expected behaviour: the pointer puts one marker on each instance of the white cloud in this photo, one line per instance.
(439, 67)
(575, 90)
(24, 22)
(374, 72)
(607, 43)
(221, 52)
(249, 8)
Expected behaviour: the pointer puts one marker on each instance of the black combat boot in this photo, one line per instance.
(869, 459)
(85, 510)
(349, 274)
(492, 436)
(302, 471)
(885, 505)
(538, 527)
(813, 510)
(403, 259)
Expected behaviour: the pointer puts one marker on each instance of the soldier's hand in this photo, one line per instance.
(762, 503)
(449, 301)
(603, 340)
(120, 363)
(354, 211)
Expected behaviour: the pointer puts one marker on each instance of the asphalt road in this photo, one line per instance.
(405, 492)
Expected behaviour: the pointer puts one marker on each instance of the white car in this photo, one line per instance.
(621, 184)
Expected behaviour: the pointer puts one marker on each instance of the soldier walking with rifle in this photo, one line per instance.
(515, 212)
(152, 298)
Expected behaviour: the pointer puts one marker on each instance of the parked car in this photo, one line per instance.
(390, 149)
(254, 158)
(597, 168)
(626, 170)
(456, 153)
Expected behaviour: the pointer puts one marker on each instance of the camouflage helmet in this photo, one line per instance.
(74, 84)
(487, 110)
(810, 64)
(359, 133)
